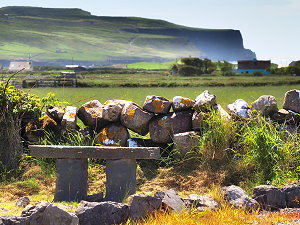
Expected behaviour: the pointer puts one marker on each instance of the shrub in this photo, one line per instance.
(257, 73)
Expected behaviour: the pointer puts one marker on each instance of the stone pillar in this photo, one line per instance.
(71, 180)
(120, 179)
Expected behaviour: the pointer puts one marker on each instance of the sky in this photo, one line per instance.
(269, 27)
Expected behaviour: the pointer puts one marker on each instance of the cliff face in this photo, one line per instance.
(54, 36)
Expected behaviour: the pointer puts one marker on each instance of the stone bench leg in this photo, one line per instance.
(120, 179)
(71, 180)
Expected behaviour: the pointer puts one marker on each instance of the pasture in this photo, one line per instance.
(225, 95)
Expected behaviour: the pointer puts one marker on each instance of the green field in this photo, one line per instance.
(151, 65)
(225, 95)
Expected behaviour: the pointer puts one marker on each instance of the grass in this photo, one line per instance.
(151, 65)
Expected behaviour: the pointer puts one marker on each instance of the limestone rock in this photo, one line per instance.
(111, 110)
(237, 197)
(113, 134)
(135, 119)
(292, 195)
(94, 213)
(201, 202)
(163, 127)
(69, 120)
(23, 201)
(55, 113)
(224, 115)
(292, 101)
(180, 103)
(157, 104)
(143, 205)
(269, 197)
(239, 109)
(205, 101)
(13, 220)
(185, 142)
(170, 200)
(197, 120)
(265, 105)
(90, 114)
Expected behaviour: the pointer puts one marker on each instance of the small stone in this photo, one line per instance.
(70, 118)
(265, 105)
(186, 142)
(163, 127)
(157, 104)
(292, 101)
(201, 202)
(55, 113)
(239, 109)
(113, 135)
(135, 119)
(269, 197)
(180, 103)
(23, 201)
(171, 200)
(205, 101)
(197, 120)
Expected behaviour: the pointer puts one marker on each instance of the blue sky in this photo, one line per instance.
(269, 27)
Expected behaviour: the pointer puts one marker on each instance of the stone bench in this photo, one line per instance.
(72, 168)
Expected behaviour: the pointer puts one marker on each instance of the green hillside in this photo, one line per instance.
(58, 35)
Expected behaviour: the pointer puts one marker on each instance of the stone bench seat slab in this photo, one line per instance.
(98, 152)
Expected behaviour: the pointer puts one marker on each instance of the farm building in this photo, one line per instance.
(16, 66)
(250, 66)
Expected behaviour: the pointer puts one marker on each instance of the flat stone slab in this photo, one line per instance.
(99, 152)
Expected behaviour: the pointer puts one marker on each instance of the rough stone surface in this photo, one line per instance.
(224, 115)
(197, 120)
(237, 197)
(69, 120)
(185, 142)
(181, 103)
(106, 213)
(201, 202)
(283, 116)
(94, 197)
(143, 205)
(163, 127)
(292, 195)
(205, 101)
(170, 200)
(265, 105)
(292, 101)
(90, 114)
(55, 113)
(113, 135)
(239, 109)
(23, 201)
(157, 104)
(13, 220)
(269, 197)
(111, 110)
(135, 119)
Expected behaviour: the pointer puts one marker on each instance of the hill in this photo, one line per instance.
(56, 36)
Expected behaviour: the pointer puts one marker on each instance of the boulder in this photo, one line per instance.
(180, 103)
(96, 213)
(185, 142)
(283, 116)
(292, 101)
(170, 200)
(113, 134)
(292, 195)
(111, 110)
(157, 104)
(237, 197)
(143, 205)
(163, 127)
(13, 220)
(46, 213)
(135, 119)
(23, 201)
(239, 109)
(55, 113)
(90, 114)
(69, 121)
(205, 101)
(265, 105)
(269, 197)
(197, 120)
(201, 202)
(224, 115)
